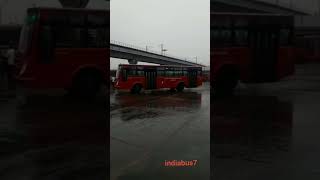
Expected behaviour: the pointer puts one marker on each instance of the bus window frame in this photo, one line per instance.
(45, 47)
(70, 22)
(124, 74)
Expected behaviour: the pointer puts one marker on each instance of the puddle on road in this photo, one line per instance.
(137, 108)
(58, 138)
(165, 124)
(137, 113)
(251, 128)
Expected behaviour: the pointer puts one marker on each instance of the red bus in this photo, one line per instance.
(252, 48)
(136, 77)
(307, 42)
(64, 48)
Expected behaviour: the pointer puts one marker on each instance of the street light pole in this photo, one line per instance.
(161, 45)
(147, 48)
(162, 49)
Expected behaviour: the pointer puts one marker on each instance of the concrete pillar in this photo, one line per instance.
(132, 61)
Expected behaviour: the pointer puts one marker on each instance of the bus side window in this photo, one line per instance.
(284, 37)
(131, 72)
(140, 73)
(70, 37)
(241, 37)
(160, 73)
(124, 75)
(184, 73)
(98, 37)
(169, 73)
(46, 44)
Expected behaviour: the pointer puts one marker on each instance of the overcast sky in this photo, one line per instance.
(181, 25)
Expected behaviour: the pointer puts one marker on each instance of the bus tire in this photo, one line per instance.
(87, 84)
(227, 81)
(180, 87)
(136, 89)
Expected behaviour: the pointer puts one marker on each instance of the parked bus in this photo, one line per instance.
(64, 48)
(137, 77)
(307, 42)
(252, 48)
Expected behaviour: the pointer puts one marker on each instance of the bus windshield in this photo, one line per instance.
(118, 72)
(26, 36)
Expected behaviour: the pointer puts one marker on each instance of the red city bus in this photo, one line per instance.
(252, 48)
(136, 77)
(64, 48)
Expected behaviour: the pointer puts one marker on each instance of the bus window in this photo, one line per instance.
(98, 37)
(118, 73)
(70, 37)
(160, 73)
(221, 37)
(140, 73)
(226, 36)
(97, 20)
(25, 39)
(169, 73)
(77, 20)
(46, 44)
(215, 36)
(241, 37)
(284, 37)
(124, 75)
(62, 37)
(131, 72)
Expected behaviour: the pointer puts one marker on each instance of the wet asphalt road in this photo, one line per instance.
(269, 131)
(52, 137)
(148, 129)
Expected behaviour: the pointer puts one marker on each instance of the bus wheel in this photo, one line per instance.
(180, 87)
(226, 82)
(136, 89)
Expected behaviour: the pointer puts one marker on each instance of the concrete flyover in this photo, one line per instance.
(256, 6)
(136, 54)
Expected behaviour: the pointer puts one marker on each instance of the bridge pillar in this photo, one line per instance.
(132, 61)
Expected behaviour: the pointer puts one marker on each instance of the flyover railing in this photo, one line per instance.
(153, 51)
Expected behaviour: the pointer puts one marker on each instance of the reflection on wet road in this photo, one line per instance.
(150, 128)
(268, 131)
(53, 137)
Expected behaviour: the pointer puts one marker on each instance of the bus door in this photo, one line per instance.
(264, 46)
(192, 76)
(150, 78)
